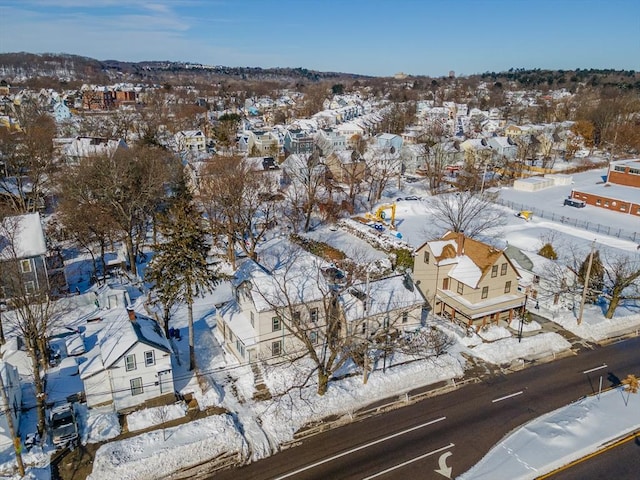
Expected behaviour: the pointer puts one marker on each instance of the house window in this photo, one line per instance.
(460, 288)
(426, 257)
(253, 324)
(536, 279)
(494, 271)
(25, 266)
(149, 358)
(598, 201)
(445, 284)
(240, 347)
(503, 269)
(405, 317)
(313, 337)
(296, 317)
(136, 386)
(29, 288)
(314, 315)
(485, 292)
(276, 348)
(130, 362)
(507, 287)
(606, 203)
(276, 324)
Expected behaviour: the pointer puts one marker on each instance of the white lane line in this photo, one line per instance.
(507, 396)
(604, 365)
(348, 452)
(400, 465)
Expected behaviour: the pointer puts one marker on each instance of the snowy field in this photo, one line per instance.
(256, 429)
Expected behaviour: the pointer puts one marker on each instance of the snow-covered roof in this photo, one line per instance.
(284, 273)
(22, 236)
(118, 334)
(381, 296)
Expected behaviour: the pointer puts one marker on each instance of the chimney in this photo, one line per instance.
(132, 314)
(460, 242)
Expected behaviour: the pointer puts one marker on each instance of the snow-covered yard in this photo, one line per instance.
(256, 429)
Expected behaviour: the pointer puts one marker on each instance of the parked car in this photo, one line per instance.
(63, 426)
(572, 202)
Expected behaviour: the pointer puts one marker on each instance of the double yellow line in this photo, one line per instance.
(591, 455)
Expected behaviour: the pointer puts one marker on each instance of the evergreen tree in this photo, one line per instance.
(180, 269)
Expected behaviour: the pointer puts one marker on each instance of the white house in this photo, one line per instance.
(128, 360)
(190, 140)
(12, 387)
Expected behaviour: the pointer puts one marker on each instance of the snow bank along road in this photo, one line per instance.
(444, 436)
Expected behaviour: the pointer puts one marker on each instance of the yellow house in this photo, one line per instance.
(467, 280)
(513, 131)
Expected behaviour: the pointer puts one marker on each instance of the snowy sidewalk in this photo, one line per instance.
(560, 437)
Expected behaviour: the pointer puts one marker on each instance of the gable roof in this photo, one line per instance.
(476, 260)
(118, 335)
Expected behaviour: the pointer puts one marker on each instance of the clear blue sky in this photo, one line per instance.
(371, 37)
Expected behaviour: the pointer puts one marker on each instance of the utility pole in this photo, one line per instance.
(586, 282)
(6, 410)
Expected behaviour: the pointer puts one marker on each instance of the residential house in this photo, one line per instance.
(619, 193)
(190, 141)
(98, 98)
(13, 406)
(61, 112)
(128, 360)
(346, 166)
(413, 156)
(389, 141)
(291, 285)
(329, 141)
(262, 143)
(27, 266)
(467, 280)
(298, 141)
(386, 305)
(476, 151)
(83, 147)
(503, 147)
(285, 285)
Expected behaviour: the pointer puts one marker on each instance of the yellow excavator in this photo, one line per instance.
(381, 215)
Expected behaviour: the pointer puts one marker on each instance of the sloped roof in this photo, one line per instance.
(382, 296)
(22, 237)
(119, 334)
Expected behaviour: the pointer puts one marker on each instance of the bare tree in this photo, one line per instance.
(382, 165)
(621, 281)
(466, 212)
(127, 187)
(307, 174)
(239, 202)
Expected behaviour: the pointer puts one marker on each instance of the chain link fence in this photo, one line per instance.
(574, 222)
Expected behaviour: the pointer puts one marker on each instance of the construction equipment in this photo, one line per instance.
(526, 214)
(381, 215)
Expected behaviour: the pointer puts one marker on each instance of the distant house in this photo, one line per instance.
(128, 361)
(621, 191)
(467, 280)
(330, 141)
(389, 141)
(190, 141)
(503, 147)
(85, 147)
(262, 143)
(346, 166)
(61, 112)
(298, 141)
(27, 266)
(13, 391)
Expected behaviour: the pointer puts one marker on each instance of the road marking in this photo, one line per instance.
(444, 469)
(604, 365)
(507, 396)
(366, 445)
(400, 465)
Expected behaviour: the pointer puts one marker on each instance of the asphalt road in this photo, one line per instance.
(621, 463)
(451, 432)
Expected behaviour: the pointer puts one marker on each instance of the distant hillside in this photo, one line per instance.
(22, 67)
